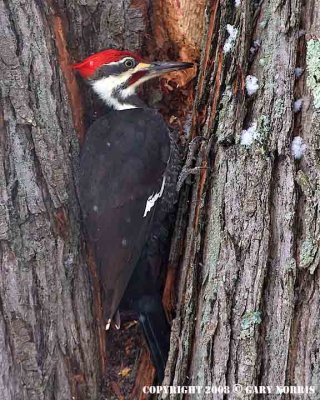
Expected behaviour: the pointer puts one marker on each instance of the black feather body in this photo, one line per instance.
(124, 162)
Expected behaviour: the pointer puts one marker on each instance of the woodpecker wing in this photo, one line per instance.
(122, 172)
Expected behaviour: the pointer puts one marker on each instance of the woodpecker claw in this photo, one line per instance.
(184, 175)
(108, 324)
(191, 155)
(117, 320)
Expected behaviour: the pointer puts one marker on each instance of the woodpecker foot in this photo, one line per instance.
(192, 148)
(190, 158)
(108, 324)
(185, 173)
(117, 320)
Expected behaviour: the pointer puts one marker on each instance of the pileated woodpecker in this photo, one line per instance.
(123, 173)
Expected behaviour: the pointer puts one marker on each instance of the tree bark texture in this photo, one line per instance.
(52, 343)
(245, 252)
(49, 347)
(248, 309)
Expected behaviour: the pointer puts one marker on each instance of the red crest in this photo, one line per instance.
(88, 66)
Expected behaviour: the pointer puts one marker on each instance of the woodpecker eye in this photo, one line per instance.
(129, 62)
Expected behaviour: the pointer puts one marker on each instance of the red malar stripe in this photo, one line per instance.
(136, 76)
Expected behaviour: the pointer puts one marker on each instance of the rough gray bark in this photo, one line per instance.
(48, 341)
(248, 310)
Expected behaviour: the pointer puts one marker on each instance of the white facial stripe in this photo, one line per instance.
(153, 198)
(105, 87)
(129, 91)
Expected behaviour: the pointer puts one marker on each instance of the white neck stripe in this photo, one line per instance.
(105, 88)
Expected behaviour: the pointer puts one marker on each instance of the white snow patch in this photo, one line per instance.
(251, 84)
(298, 147)
(237, 3)
(297, 105)
(153, 198)
(233, 32)
(248, 136)
(298, 72)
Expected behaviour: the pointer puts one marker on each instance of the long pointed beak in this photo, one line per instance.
(143, 71)
(162, 67)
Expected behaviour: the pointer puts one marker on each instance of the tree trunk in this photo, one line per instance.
(48, 345)
(248, 310)
(245, 250)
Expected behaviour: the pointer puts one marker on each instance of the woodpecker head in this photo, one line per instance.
(115, 75)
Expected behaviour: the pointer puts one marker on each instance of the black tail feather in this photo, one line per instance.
(157, 333)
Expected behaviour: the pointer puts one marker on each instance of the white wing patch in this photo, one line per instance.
(153, 198)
